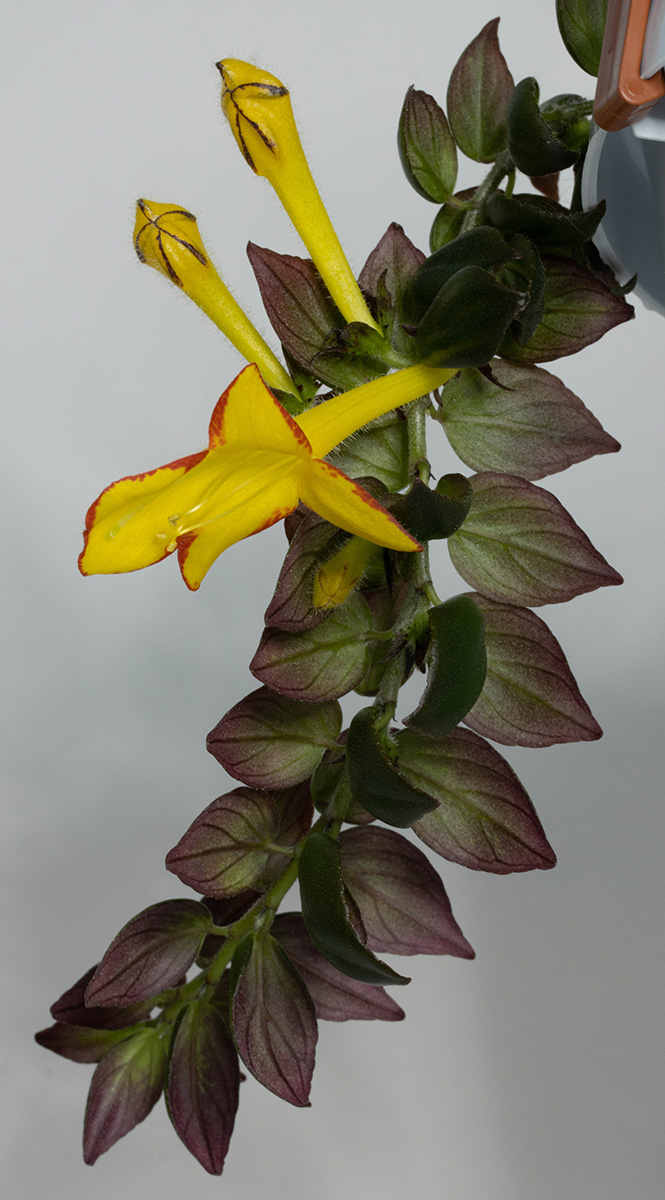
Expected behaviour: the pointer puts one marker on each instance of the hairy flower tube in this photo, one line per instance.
(259, 464)
(167, 238)
(258, 109)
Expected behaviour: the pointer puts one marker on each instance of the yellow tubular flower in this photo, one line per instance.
(258, 109)
(335, 579)
(167, 238)
(259, 464)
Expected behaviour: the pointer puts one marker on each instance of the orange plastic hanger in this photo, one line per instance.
(622, 96)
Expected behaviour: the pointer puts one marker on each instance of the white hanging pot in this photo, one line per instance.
(625, 161)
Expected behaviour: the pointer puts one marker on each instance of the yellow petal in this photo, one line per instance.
(247, 416)
(167, 238)
(258, 109)
(328, 424)
(343, 502)
(122, 527)
(267, 495)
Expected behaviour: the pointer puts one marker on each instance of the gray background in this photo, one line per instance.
(533, 1073)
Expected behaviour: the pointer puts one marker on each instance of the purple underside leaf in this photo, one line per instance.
(478, 94)
(72, 1009)
(78, 1043)
(321, 663)
(519, 544)
(226, 848)
(274, 1023)
(270, 741)
(336, 996)
(485, 819)
(203, 1085)
(534, 429)
(530, 697)
(125, 1087)
(152, 952)
(291, 606)
(296, 300)
(579, 309)
(402, 901)
(395, 255)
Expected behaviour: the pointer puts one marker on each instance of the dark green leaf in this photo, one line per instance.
(485, 819)
(376, 782)
(526, 274)
(457, 667)
(203, 1085)
(320, 663)
(336, 997)
(530, 697)
(326, 913)
(532, 144)
(448, 221)
(478, 94)
(274, 1024)
(402, 901)
(520, 545)
(481, 247)
(151, 952)
(125, 1087)
(524, 421)
(543, 220)
(269, 741)
(426, 146)
(429, 514)
(467, 321)
(581, 25)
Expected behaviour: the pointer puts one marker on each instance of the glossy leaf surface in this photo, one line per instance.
(457, 666)
(376, 782)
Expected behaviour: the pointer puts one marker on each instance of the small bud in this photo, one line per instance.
(167, 238)
(336, 579)
(258, 109)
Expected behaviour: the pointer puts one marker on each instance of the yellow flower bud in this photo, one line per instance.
(336, 579)
(258, 109)
(167, 238)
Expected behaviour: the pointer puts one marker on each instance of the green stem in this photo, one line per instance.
(502, 167)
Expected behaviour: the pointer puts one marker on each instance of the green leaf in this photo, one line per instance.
(226, 848)
(426, 146)
(579, 309)
(151, 952)
(203, 1085)
(317, 664)
(270, 741)
(457, 667)
(336, 997)
(526, 274)
(380, 450)
(478, 94)
(523, 421)
(520, 545)
(547, 223)
(485, 819)
(376, 782)
(581, 25)
(431, 514)
(326, 912)
(274, 1024)
(532, 144)
(448, 221)
(481, 247)
(530, 697)
(402, 901)
(467, 321)
(125, 1087)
